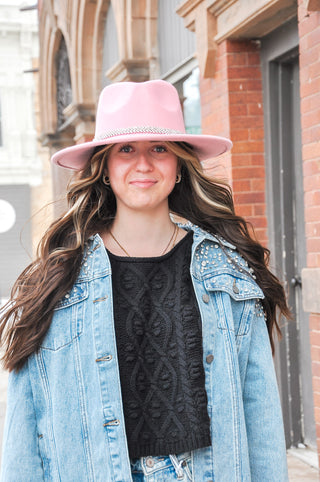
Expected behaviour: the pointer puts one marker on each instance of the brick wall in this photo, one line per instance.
(309, 33)
(215, 113)
(232, 106)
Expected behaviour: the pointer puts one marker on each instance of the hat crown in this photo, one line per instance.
(127, 106)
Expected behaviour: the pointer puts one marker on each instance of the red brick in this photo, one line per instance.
(243, 72)
(258, 159)
(308, 24)
(316, 385)
(311, 183)
(237, 59)
(312, 151)
(312, 198)
(254, 58)
(238, 110)
(313, 260)
(248, 147)
(312, 214)
(310, 119)
(316, 371)
(245, 97)
(313, 69)
(261, 235)
(313, 37)
(241, 160)
(250, 197)
(315, 355)
(259, 209)
(248, 172)
(313, 245)
(310, 88)
(249, 121)
(312, 230)
(315, 341)
(259, 221)
(258, 184)
(247, 159)
(308, 104)
(308, 57)
(254, 85)
(241, 186)
(311, 135)
(255, 109)
(316, 400)
(244, 210)
(256, 134)
(240, 46)
(240, 135)
(311, 167)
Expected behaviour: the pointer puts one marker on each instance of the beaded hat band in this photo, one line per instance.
(139, 111)
(136, 130)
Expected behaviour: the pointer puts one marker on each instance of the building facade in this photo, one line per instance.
(245, 70)
(21, 171)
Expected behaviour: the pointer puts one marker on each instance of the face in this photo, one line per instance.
(142, 174)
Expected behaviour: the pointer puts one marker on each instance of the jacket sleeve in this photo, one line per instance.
(263, 415)
(21, 459)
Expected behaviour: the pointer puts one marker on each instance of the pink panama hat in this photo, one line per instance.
(139, 111)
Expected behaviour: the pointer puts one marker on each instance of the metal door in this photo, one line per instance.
(280, 63)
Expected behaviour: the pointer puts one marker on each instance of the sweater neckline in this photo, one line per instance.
(144, 259)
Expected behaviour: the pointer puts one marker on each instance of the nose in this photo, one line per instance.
(144, 162)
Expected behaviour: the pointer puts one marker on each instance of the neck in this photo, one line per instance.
(140, 233)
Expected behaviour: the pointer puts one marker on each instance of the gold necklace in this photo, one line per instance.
(172, 238)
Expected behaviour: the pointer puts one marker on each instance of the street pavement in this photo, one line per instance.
(299, 470)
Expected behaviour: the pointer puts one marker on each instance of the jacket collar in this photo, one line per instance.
(201, 235)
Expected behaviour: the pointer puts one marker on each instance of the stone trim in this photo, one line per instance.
(311, 289)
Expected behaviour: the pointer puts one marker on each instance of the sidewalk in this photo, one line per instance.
(299, 470)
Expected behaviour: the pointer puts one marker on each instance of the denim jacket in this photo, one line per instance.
(65, 420)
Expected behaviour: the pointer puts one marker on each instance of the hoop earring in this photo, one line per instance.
(106, 180)
(178, 178)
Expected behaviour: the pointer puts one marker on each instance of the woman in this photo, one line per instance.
(162, 370)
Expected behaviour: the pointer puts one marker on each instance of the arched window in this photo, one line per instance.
(63, 79)
(110, 45)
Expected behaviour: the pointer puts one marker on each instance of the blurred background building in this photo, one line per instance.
(25, 177)
(19, 160)
(245, 70)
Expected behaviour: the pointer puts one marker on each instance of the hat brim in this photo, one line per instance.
(205, 146)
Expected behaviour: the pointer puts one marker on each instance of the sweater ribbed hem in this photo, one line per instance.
(166, 447)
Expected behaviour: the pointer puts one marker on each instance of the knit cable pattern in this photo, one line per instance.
(159, 343)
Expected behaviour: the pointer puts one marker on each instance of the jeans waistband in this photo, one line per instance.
(151, 464)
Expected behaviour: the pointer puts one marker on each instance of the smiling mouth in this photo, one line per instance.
(143, 182)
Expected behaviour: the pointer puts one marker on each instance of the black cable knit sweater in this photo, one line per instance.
(159, 343)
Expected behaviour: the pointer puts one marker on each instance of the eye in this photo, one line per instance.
(160, 148)
(127, 148)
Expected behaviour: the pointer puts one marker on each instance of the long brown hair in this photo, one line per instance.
(92, 208)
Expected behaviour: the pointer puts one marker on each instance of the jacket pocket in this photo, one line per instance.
(237, 286)
(67, 320)
(239, 305)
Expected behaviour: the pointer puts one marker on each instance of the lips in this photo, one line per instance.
(144, 183)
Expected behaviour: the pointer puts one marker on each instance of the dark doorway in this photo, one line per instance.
(280, 65)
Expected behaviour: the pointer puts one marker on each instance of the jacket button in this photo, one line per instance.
(149, 462)
(205, 298)
(209, 358)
